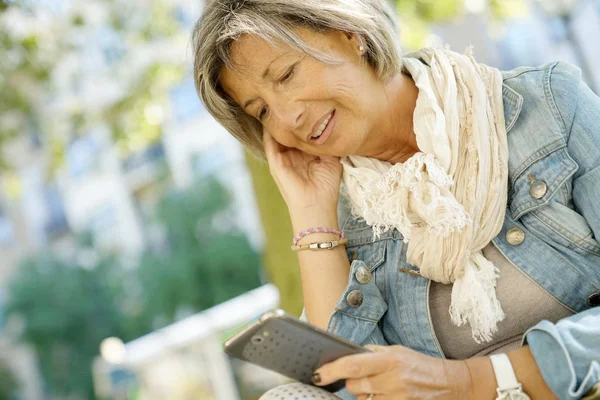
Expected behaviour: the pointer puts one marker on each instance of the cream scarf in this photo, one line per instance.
(448, 200)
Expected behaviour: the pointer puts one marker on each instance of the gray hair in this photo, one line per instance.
(225, 21)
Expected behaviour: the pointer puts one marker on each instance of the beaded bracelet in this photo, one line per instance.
(318, 229)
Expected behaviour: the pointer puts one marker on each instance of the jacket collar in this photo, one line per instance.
(513, 102)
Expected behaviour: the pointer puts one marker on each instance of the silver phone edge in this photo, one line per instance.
(260, 320)
(279, 313)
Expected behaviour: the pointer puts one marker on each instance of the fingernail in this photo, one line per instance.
(316, 378)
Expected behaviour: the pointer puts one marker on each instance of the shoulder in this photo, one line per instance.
(557, 74)
(554, 86)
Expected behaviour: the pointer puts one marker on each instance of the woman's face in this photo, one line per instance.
(303, 103)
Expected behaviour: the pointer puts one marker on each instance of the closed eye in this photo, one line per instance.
(288, 74)
(263, 112)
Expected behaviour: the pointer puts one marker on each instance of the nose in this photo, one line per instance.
(289, 112)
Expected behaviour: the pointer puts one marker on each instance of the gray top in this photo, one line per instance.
(523, 301)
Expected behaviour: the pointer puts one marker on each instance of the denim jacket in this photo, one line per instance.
(553, 124)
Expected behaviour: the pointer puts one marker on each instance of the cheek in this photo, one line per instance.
(280, 136)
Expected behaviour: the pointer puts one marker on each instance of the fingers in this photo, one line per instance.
(354, 366)
(379, 385)
(363, 397)
(270, 145)
(360, 386)
(378, 349)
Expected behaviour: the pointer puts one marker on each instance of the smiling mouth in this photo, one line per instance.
(322, 127)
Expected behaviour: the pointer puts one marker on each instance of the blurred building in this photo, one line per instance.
(562, 32)
(105, 193)
(99, 190)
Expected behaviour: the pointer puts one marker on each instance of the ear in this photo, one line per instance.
(357, 43)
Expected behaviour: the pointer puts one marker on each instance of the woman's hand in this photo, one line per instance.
(396, 372)
(304, 180)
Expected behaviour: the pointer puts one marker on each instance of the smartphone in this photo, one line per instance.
(284, 344)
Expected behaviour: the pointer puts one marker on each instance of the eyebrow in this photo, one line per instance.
(264, 75)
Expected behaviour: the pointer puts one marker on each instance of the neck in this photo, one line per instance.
(396, 141)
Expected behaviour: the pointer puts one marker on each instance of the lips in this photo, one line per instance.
(326, 130)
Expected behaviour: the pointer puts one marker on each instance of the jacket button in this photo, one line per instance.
(354, 298)
(538, 189)
(363, 275)
(594, 299)
(515, 236)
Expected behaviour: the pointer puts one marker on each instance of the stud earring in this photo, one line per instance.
(361, 48)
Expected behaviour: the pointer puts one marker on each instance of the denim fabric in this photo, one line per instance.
(553, 124)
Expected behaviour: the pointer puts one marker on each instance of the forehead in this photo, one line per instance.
(251, 56)
(250, 52)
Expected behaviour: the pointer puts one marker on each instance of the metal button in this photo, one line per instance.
(363, 275)
(594, 299)
(538, 189)
(354, 298)
(515, 236)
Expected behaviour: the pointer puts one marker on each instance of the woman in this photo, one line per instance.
(465, 228)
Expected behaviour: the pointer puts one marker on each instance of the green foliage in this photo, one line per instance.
(281, 264)
(430, 10)
(207, 261)
(8, 382)
(67, 311)
(417, 16)
(46, 83)
(70, 306)
(505, 9)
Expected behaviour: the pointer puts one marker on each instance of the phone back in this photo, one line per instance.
(286, 345)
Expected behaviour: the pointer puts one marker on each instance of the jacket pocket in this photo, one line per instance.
(552, 216)
(555, 171)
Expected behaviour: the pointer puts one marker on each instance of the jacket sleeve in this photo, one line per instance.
(578, 111)
(568, 352)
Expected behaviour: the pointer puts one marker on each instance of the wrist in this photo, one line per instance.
(307, 218)
(482, 379)
(458, 379)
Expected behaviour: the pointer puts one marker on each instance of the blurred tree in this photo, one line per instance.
(281, 263)
(418, 16)
(68, 69)
(67, 308)
(207, 261)
(8, 382)
(430, 10)
(504, 9)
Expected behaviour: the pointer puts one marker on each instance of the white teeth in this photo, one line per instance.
(322, 127)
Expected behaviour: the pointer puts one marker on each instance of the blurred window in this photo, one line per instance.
(1, 308)
(186, 103)
(102, 223)
(35, 140)
(6, 228)
(150, 155)
(56, 223)
(209, 162)
(111, 46)
(184, 17)
(81, 156)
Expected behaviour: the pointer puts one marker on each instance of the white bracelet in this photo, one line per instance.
(509, 388)
(328, 245)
